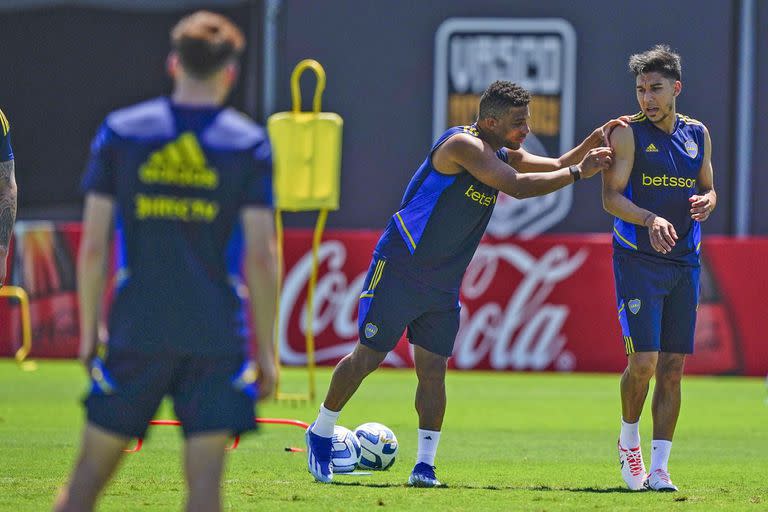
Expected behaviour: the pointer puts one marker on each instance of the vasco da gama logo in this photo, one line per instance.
(538, 54)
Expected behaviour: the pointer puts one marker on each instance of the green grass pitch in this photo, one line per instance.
(511, 441)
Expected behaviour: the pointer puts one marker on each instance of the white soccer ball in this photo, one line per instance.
(379, 446)
(346, 450)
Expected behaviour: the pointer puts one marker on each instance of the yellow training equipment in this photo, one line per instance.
(306, 156)
(306, 150)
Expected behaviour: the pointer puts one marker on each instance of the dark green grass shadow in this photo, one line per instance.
(540, 488)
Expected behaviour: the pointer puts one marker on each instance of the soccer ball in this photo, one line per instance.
(346, 450)
(379, 446)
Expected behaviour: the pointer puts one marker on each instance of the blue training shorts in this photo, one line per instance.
(657, 304)
(393, 301)
(206, 396)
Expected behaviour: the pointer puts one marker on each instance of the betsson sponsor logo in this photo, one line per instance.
(525, 333)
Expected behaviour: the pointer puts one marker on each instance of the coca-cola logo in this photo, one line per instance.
(520, 329)
(526, 332)
(336, 299)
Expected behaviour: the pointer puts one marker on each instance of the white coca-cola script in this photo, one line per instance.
(524, 332)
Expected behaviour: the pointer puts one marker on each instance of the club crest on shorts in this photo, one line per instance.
(634, 305)
(370, 330)
(691, 148)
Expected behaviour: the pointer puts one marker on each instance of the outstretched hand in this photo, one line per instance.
(606, 129)
(596, 160)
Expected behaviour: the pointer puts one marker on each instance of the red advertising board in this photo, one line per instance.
(547, 303)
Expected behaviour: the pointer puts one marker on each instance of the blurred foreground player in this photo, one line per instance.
(187, 185)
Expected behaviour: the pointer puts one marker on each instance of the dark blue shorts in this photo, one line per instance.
(392, 301)
(657, 304)
(204, 394)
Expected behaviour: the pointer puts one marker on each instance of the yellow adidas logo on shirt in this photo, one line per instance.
(651, 148)
(181, 163)
(5, 124)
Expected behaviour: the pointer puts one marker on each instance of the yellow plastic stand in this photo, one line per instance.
(20, 294)
(306, 153)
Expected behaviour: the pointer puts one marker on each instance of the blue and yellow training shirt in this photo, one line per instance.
(180, 176)
(441, 220)
(664, 176)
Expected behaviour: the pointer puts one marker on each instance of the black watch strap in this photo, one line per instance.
(575, 173)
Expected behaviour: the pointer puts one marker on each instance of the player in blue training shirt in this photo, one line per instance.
(7, 193)
(414, 278)
(660, 189)
(187, 185)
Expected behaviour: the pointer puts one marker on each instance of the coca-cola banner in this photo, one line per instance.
(542, 304)
(546, 303)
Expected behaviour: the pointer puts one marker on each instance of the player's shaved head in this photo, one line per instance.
(205, 42)
(499, 97)
(660, 59)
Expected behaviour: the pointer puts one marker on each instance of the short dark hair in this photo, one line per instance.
(660, 59)
(500, 96)
(206, 42)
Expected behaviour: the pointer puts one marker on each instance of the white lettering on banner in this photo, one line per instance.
(526, 333)
(540, 55)
(532, 61)
(335, 303)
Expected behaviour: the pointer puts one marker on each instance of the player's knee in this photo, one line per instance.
(365, 360)
(642, 365)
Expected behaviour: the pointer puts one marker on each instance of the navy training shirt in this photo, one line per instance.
(180, 176)
(664, 175)
(441, 220)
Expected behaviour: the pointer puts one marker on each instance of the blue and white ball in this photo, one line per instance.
(379, 446)
(346, 450)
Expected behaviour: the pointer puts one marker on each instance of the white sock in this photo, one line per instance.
(428, 440)
(660, 454)
(325, 422)
(630, 434)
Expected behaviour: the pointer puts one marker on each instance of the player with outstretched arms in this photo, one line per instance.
(417, 267)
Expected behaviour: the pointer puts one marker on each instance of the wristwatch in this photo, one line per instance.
(575, 173)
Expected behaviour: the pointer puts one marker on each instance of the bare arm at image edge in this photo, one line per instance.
(7, 211)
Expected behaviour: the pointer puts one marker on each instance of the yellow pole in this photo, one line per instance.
(310, 335)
